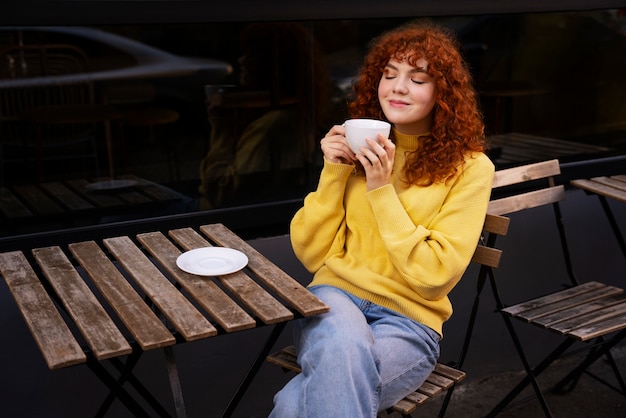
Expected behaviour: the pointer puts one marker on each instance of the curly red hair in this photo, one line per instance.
(457, 125)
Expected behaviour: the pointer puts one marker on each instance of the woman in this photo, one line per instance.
(261, 143)
(389, 232)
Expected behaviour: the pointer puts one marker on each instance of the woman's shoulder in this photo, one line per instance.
(478, 162)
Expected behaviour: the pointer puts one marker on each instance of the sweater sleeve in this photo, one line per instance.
(317, 230)
(432, 257)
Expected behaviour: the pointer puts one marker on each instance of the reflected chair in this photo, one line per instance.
(444, 377)
(41, 60)
(30, 140)
(136, 102)
(28, 144)
(593, 313)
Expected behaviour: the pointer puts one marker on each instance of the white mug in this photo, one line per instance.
(359, 129)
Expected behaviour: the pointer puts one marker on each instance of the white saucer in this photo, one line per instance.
(212, 261)
(111, 184)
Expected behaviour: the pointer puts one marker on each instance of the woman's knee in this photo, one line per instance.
(287, 400)
(344, 320)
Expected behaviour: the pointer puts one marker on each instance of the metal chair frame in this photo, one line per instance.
(598, 348)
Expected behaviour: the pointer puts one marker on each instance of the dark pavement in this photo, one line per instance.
(209, 369)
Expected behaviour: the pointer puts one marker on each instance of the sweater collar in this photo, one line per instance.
(405, 141)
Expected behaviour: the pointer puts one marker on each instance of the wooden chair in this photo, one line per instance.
(444, 376)
(40, 60)
(26, 142)
(136, 101)
(588, 312)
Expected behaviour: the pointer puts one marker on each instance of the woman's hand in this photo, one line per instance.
(378, 162)
(335, 146)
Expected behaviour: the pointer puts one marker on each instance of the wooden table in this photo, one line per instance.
(515, 147)
(70, 201)
(87, 302)
(613, 187)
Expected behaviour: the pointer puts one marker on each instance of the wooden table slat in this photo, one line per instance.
(518, 147)
(66, 196)
(11, 205)
(230, 316)
(38, 199)
(159, 193)
(101, 200)
(154, 190)
(251, 294)
(262, 304)
(177, 309)
(135, 286)
(276, 279)
(96, 326)
(134, 197)
(129, 306)
(52, 335)
(602, 187)
(613, 182)
(69, 198)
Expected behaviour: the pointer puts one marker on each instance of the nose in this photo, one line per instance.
(400, 85)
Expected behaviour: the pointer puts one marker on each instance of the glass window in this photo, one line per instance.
(208, 116)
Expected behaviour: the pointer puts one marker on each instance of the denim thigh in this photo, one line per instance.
(406, 351)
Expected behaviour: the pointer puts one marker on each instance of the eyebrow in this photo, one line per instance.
(413, 70)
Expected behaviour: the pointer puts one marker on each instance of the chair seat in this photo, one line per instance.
(442, 378)
(582, 312)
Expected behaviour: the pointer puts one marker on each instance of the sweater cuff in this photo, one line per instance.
(338, 169)
(388, 210)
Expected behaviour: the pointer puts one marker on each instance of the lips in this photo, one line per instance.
(397, 103)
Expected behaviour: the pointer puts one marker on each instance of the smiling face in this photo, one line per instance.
(407, 96)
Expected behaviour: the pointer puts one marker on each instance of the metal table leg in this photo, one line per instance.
(613, 223)
(177, 392)
(260, 359)
(118, 391)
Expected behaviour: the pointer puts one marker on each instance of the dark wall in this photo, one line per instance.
(49, 12)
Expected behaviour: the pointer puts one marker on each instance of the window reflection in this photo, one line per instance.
(558, 71)
(264, 129)
(252, 101)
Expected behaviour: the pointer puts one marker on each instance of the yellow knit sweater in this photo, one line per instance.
(401, 248)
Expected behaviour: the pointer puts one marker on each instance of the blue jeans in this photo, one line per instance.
(356, 360)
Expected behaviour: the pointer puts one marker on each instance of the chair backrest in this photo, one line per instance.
(22, 141)
(488, 257)
(530, 186)
(40, 60)
(486, 254)
(531, 191)
(22, 61)
(15, 101)
(514, 189)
